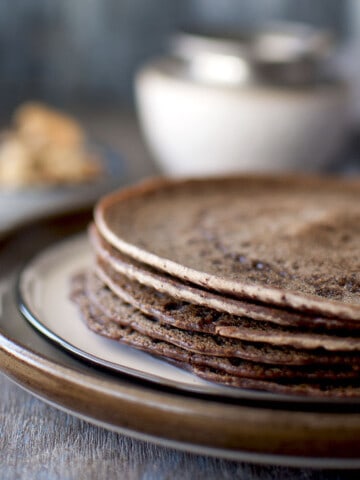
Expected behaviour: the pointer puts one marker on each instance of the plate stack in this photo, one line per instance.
(251, 282)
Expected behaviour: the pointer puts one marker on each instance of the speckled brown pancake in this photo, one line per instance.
(287, 241)
(110, 293)
(114, 262)
(223, 347)
(228, 368)
(324, 389)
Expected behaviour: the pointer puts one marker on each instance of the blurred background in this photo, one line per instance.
(89, 50)
(231, 95)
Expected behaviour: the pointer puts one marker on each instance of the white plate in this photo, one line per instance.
(43, 298)
(44, 290)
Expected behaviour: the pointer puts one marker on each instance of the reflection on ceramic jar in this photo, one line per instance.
(265, 102)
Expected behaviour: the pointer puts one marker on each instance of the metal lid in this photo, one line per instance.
(283, 53)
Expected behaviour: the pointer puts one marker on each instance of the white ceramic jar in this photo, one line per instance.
(233, 122)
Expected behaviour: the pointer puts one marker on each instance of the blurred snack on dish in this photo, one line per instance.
(39, 125)
(45, 146)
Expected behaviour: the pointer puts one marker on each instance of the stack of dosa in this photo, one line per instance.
(251, 282)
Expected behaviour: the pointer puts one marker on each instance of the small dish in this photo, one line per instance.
(18, 206)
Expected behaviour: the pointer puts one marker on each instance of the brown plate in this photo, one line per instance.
(257, 431)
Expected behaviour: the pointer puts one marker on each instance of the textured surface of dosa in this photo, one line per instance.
(315, 390)
(214, 345)
(281, 240)
(225, 370)
(109, 294)
(113, 262)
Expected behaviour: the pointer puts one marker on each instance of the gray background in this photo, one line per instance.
(86, 51)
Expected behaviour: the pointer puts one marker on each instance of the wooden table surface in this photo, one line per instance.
(37, 441)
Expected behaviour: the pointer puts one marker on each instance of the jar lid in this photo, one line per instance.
(281, 53)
